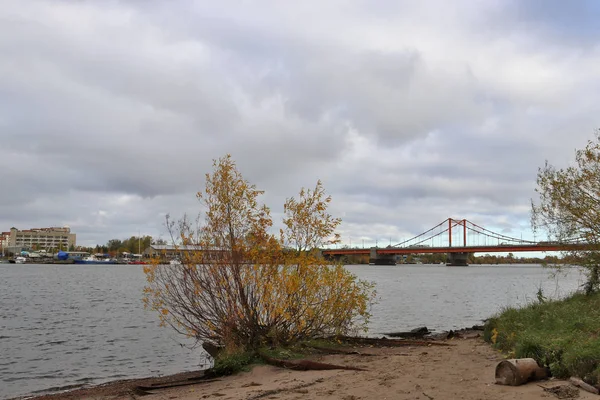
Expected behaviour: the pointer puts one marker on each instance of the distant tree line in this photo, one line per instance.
(510, 258)
(135, 245)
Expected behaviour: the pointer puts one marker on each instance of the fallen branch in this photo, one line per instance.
(585, 386)
(414, 333)
(329, 350)
(175, 384)
(305, 365)
(390, 342)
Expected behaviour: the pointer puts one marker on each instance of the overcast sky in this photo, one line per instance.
(410, 112)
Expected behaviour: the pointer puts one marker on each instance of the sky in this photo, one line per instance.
(111, 112)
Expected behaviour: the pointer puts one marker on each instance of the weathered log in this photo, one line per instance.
(585, 386)
(169, 385)
(385, 342)
(516, 372)
(414, 333)
(330, 350)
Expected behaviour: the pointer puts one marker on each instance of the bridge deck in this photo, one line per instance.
(458, 249)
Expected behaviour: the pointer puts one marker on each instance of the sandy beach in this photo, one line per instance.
(464, 370)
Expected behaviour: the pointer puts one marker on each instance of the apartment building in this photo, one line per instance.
(39, 238)
(4, 240)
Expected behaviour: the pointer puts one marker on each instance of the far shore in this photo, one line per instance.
(464, 370)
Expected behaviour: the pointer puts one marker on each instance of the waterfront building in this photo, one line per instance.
(4, 239)
(169, 251)
(39, 238)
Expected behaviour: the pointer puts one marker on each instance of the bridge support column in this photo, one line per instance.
(381, 259)
(457, 259)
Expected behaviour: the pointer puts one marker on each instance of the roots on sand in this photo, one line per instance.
(305, 365)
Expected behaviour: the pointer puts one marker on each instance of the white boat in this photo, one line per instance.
(94, 260)
(175, 262)
(20, 260)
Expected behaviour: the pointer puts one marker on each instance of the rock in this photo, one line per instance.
(464, 333)
(211, 349)
(413, 333)
(437, 336)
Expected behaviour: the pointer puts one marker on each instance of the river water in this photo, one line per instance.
(71, 325)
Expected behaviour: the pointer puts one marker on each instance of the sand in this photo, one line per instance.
(462, 371)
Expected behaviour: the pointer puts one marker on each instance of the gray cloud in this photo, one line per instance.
(110, 113)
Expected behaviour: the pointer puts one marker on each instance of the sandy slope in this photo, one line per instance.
(463, 371)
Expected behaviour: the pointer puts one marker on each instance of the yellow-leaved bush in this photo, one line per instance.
(240, 287)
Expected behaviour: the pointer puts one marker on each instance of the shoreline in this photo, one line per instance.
(464, 370)
(109, 389)
(65, 391)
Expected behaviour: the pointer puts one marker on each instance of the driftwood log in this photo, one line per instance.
(385, 342)
(585, 386)
(412, 334)
(516, 372)
(331, 350)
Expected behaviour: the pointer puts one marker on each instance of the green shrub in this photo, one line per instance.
(530, 348)
(230, 364)
(561, 335)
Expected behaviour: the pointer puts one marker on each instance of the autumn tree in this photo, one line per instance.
(308, 225)
(241, 287)
(569, 208)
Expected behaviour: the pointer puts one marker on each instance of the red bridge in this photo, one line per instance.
(457, 238)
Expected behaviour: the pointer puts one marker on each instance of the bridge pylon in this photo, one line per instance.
(458, 259)
(457, 222)
(381, 259)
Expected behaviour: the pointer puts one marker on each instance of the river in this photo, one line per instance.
(71, 325)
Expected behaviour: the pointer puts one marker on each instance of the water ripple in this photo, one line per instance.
(70, 325)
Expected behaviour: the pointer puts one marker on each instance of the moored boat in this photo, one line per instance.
(94, 260)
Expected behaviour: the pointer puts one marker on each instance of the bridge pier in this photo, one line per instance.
(381, 259)
(457, 259)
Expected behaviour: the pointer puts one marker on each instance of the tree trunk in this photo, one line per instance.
(516, 372)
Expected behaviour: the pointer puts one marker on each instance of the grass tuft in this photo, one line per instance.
(229, 364)
(562, 335)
